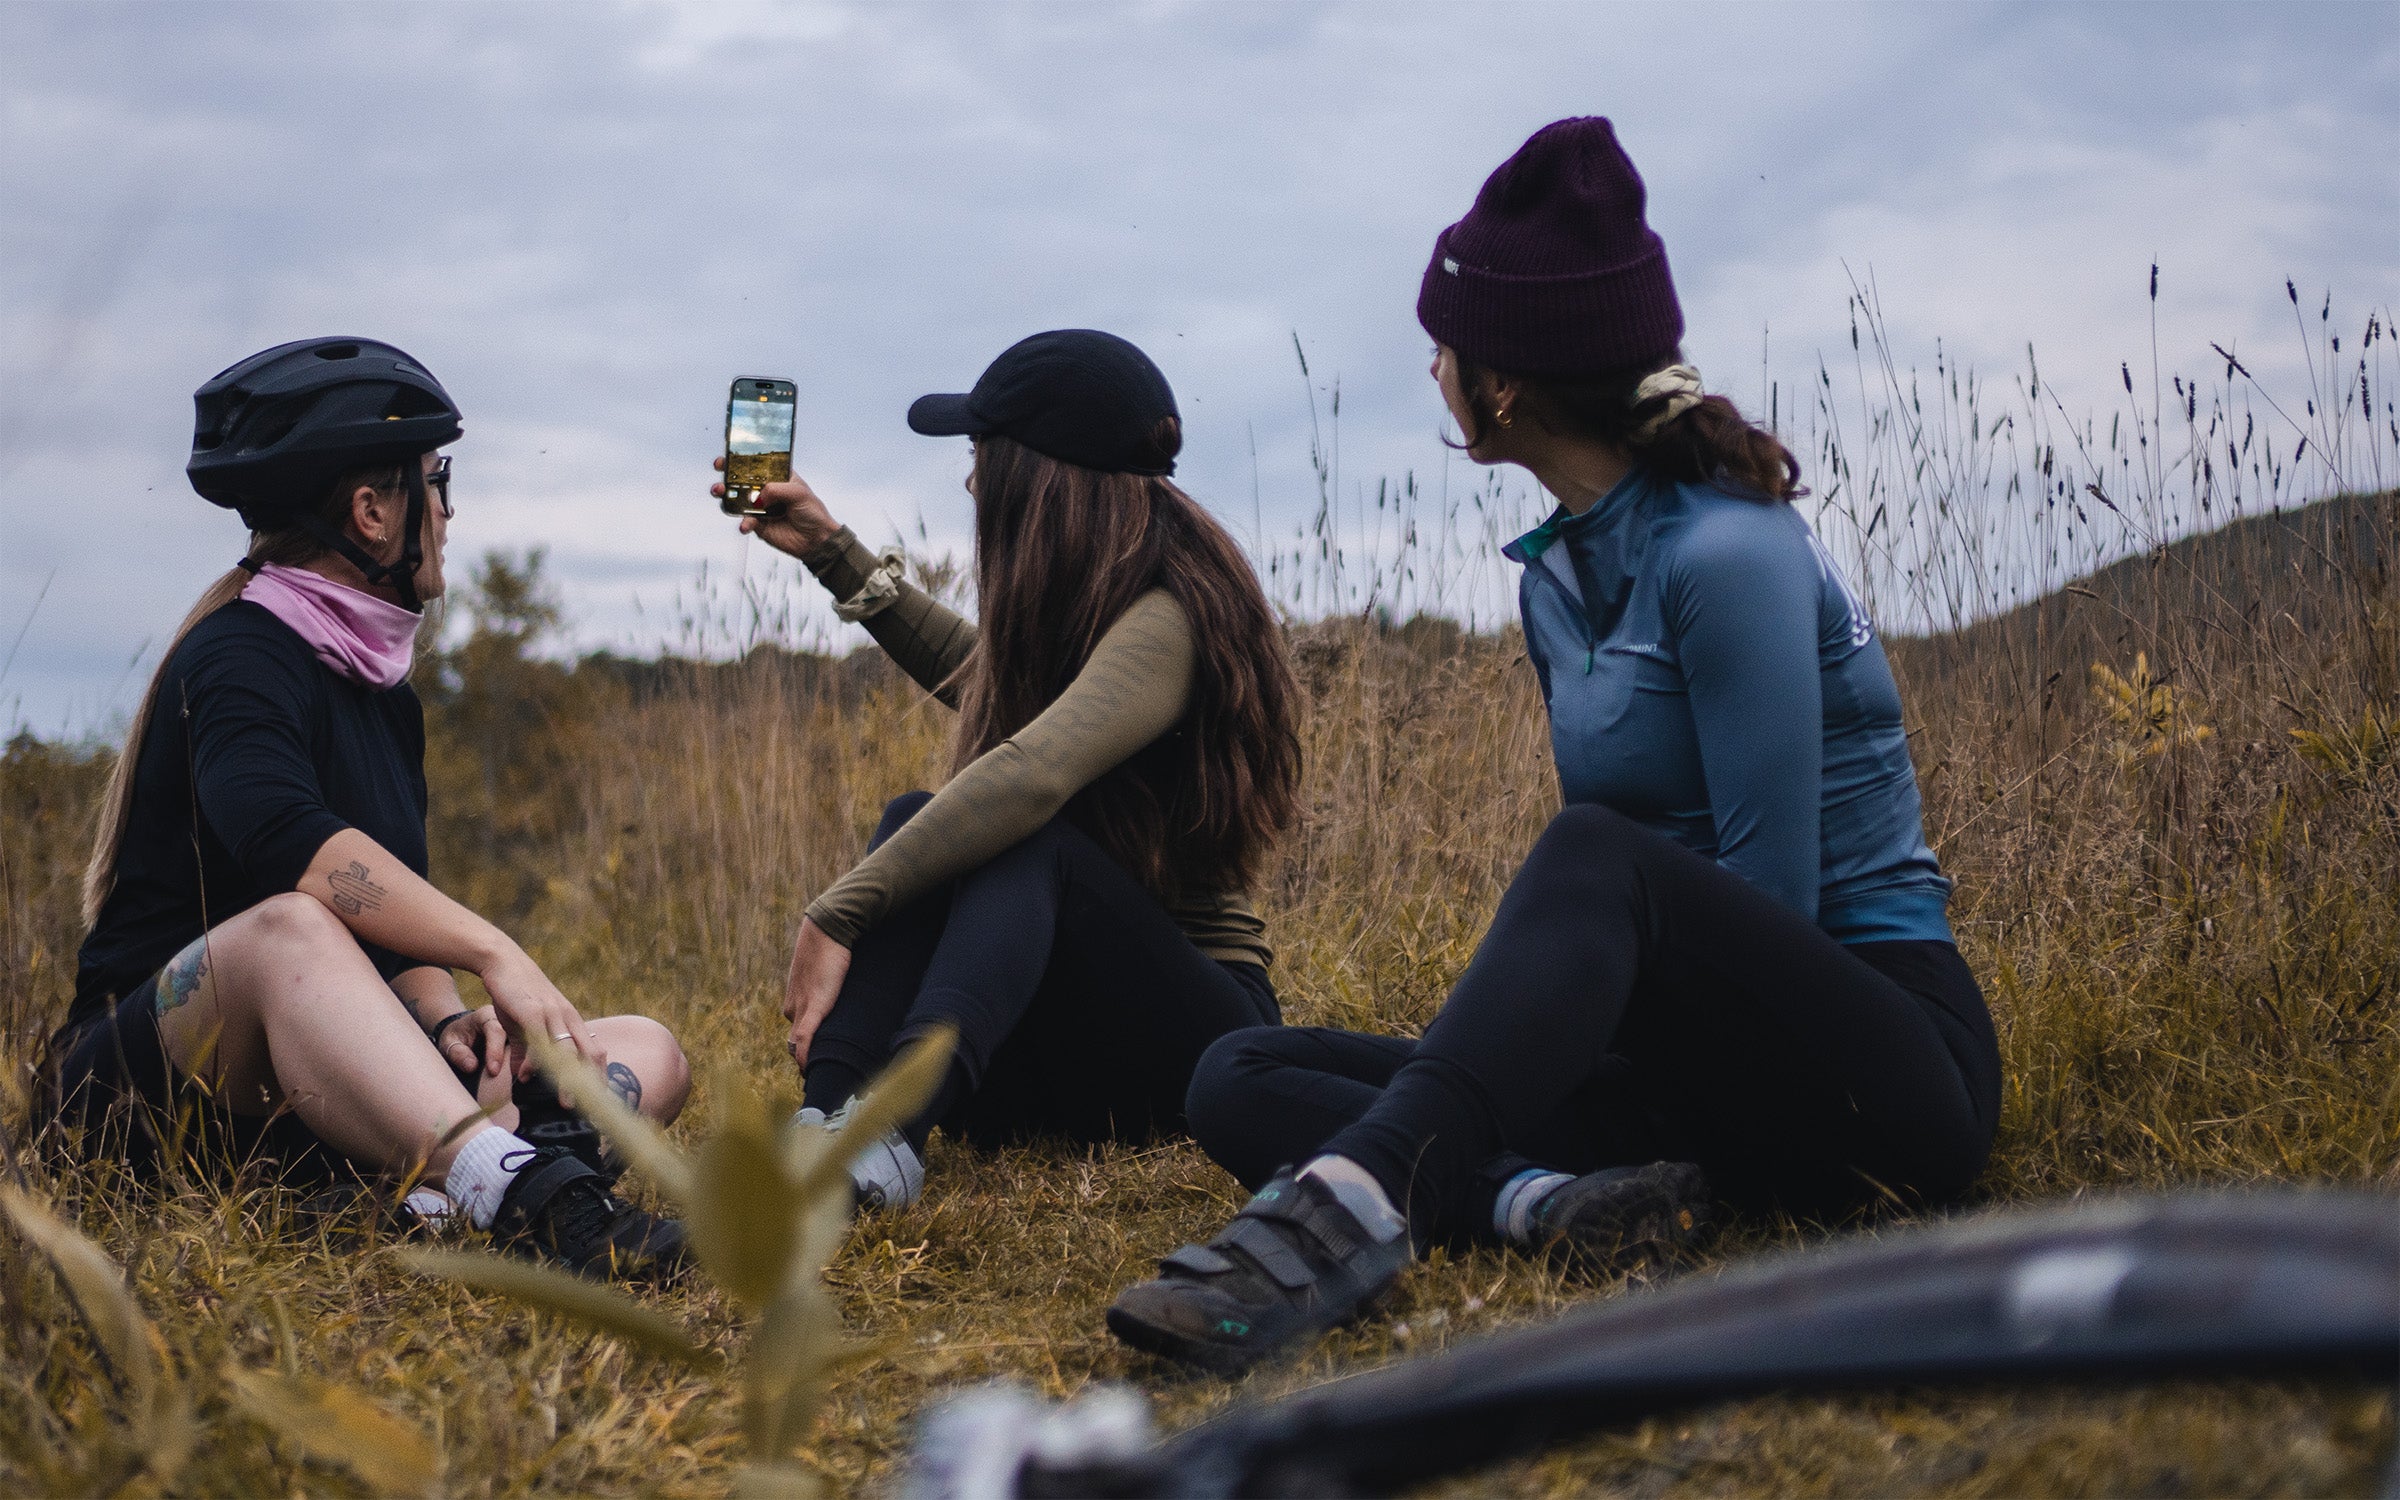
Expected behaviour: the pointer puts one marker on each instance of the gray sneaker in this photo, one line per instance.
(888, 1174)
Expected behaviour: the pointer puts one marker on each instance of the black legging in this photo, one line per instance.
(1635, 1002)
(1081, 1007)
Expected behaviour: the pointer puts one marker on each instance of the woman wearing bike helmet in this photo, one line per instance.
(1072, 900)
(1727, 961)
(267, 971)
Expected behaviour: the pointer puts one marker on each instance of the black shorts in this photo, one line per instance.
(118, 1097)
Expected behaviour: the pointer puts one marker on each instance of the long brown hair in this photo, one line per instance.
(1704, 444)
(1060, 552)
(291, 546)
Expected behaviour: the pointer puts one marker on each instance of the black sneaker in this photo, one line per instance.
(1293, 1264)
(546, 1120)
(558, 1207)
(1627, 1218)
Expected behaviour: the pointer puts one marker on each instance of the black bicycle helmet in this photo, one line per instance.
(271, 434)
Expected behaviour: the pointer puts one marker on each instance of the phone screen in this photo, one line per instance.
(758, 440)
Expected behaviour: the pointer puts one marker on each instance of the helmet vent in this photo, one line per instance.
(409, 402)
(335, 351)
(277, 422)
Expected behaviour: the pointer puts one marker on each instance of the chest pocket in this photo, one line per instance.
(1597, 667)
(1646, 668)
(1594, 693)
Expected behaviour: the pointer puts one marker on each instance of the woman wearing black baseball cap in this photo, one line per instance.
(1072, 900)
(1726, 965)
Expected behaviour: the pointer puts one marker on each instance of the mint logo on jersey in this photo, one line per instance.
(1862, 629)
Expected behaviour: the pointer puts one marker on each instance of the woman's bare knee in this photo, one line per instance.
(294, 920)
(277, 928)
(250, 950)
(646, 1064)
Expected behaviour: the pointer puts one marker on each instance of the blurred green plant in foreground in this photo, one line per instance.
(766, 1207)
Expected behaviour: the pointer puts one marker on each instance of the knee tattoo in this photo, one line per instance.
(627, 1084)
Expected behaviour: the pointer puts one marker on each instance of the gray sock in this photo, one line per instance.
(1512, 1211)
(1356, 1189)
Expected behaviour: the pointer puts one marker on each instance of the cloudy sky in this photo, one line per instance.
(587, 218)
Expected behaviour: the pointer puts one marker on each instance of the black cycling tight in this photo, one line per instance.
(1081, 1008)
(1635, 1002)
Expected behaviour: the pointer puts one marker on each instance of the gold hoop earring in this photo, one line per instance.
(1501, 416)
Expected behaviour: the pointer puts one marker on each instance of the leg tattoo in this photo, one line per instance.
(627, 1084)
(183, 976)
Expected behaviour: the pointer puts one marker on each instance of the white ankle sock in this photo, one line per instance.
(1512, 1211)
(481, 1172)
(1357, 1190)
(429, 1205)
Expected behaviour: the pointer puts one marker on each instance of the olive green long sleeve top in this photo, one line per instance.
(1136, 687)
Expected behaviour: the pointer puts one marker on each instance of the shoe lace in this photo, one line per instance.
(582, 1216)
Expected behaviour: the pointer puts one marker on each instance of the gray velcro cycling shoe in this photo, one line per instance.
(1293, 1264)
(888, 1174)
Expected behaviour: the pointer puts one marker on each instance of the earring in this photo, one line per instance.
(1501, 416)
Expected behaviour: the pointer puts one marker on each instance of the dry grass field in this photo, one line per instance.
(2169, 791)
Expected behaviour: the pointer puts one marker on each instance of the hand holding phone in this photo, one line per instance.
(758, 442)
(787, 516)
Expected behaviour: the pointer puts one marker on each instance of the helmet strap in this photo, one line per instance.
(412, 549)
(401, 573)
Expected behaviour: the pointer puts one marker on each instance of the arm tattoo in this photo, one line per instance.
(353, 892)
(627, 1084)
(181, 979)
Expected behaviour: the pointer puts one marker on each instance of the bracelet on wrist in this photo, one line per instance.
(434, 1032)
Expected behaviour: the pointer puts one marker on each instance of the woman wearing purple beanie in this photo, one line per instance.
(1726, 968)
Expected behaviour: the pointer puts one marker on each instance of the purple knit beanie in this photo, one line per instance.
(1554, 271)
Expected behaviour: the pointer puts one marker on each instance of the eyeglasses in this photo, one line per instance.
(437, 479)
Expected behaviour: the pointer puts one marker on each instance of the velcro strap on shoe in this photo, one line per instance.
(1257, 1239)
(1328, 1230)
(1324, 1221)
(532, 1191)
(1195, 1260)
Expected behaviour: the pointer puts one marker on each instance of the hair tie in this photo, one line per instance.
(247, 564)
(1679, 384)
(880, 592)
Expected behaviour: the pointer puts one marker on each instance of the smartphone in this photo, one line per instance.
(758, 441)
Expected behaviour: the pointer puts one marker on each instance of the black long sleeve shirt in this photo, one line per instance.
(256, 754)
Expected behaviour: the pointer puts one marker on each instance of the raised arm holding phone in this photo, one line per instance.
(1072, 900)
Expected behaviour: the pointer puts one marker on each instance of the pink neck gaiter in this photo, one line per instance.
(366, 639)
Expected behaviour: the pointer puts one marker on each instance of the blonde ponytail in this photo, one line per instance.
(100, 876)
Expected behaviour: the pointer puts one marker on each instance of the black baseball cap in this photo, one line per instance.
(1075, 394)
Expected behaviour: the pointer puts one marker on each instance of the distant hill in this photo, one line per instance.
(2316, 566)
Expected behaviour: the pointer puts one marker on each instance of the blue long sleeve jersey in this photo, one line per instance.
(1710, 676)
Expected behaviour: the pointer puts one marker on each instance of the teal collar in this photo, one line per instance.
(1561, 522)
